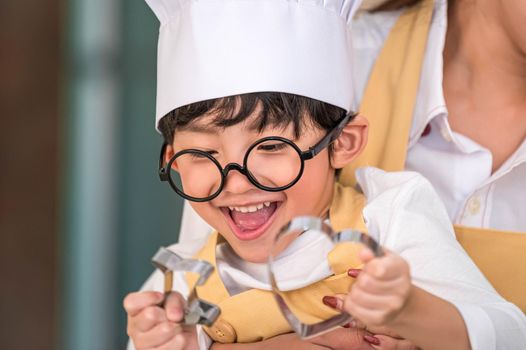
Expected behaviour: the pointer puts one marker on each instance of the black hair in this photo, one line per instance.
(277, 110)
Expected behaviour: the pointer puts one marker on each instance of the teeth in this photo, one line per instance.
(251, 208)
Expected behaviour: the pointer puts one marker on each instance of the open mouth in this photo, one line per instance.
(250, 222)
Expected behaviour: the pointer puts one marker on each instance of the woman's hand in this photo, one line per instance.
(383, 338)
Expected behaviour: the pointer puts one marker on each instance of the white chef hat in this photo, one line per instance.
(215, 48)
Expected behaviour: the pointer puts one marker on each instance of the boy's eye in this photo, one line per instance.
(272, 147)
(196, 155)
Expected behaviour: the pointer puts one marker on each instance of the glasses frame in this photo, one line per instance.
(333, 134)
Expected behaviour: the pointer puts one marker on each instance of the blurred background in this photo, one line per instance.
(81, 207)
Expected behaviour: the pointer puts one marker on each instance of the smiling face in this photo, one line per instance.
(248, 217)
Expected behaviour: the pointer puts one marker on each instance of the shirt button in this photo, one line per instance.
(474, 206)
(221, 331)
(445, 134)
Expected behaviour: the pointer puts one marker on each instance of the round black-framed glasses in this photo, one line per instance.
(206, 176)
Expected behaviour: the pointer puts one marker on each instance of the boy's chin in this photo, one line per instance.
(257, 257)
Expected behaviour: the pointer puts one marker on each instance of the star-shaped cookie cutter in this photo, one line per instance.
(197, 311)
(302, 224)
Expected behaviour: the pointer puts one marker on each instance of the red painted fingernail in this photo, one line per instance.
(330, 301)
(371, 340)
(353, 272)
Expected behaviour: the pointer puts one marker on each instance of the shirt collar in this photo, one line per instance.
(430, 100)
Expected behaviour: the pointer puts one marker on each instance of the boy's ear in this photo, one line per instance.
(168, 154)
(350, 143)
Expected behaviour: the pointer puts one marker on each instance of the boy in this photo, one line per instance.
(254, 104)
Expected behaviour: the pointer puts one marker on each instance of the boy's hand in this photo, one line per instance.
(150, 326)
(381, 290)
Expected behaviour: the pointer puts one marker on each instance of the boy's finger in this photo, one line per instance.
(159, 335)
(366, 255)
(378, 268)
(174, 307)
(386, 268)
(178, 342)
(185, 338)
(373, 301)
(135, 302)
(147, 319)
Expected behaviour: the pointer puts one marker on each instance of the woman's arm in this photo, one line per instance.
(338, 339)
(419, 230)
(431, 322)
(383, 295)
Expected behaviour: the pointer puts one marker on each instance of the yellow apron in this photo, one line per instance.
(254, 315)
(388, 104)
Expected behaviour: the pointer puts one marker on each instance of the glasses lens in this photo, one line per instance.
(202, 177)
(274, 163)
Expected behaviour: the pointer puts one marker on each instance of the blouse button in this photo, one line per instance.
(474, 206)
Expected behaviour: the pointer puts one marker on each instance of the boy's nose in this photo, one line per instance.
(236, 182)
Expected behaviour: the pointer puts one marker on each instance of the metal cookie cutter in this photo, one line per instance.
(197, 311)
(300, 225)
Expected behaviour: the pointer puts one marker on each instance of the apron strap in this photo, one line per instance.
(391, 91)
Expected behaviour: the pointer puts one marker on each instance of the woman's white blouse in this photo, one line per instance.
(458, 168)
(405, 215)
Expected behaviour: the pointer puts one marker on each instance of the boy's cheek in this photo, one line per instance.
(212, 215)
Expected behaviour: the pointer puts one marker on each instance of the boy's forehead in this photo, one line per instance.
(197, 126)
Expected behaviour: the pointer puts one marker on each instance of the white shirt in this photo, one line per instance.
(458, 168)
(405, 215)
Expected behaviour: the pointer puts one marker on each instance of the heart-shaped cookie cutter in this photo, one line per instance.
(302, 224)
